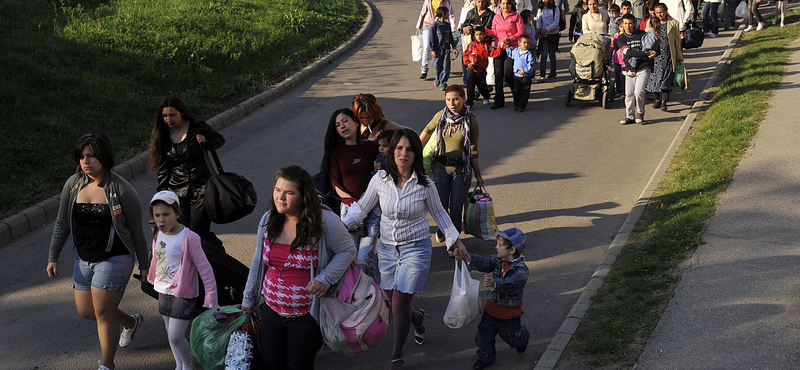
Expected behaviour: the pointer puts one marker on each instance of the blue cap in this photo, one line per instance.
(515, 236)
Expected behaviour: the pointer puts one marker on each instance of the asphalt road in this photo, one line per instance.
(567, 176)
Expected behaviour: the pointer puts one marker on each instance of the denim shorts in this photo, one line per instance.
(404, 267)
(175, 307)
(111, 275)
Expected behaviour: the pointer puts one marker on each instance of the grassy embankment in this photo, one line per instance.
(630, 303)
(71, 67)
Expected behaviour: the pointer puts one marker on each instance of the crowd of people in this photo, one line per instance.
(378, 173)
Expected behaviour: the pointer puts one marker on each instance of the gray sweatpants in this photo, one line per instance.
(634, 94)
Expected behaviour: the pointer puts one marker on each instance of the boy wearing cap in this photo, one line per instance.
(506, 284)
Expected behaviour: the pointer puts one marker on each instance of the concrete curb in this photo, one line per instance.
(564, 334)
(43, 212)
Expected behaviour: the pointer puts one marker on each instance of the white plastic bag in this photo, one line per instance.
(416, 47)
(741, 10)
(465, 301)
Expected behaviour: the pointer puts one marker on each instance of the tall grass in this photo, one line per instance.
(71, 67)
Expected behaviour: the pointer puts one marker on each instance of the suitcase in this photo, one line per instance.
(229, 273)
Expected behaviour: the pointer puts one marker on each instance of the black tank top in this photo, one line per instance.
(93, 227)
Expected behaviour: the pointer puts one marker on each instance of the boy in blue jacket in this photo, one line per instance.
(523, 72)
(441, 43)
(506, 283)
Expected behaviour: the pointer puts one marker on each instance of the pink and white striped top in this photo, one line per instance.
(288, 273)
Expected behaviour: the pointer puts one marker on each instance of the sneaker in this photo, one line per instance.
(520, 110)
(480, 365)
(442, 87)
(423, 76)
(760, 26)
(781, 24)
(749, 28)
(485, 101)
(101, 367)
(126, 336)
(541, 79)
(711, 35)
(523, 348)
(470, 105)
(626, 121)
(435, 83)
(639, 121)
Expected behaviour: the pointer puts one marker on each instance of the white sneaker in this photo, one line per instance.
(760, 26)
(126, 336)
(101, 367)
(749, 28)
(781, 24)
(486, 101)
(711, 35)
(639, 121)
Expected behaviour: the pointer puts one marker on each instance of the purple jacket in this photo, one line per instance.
(193, 261)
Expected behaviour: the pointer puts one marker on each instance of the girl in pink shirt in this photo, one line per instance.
(177, 259)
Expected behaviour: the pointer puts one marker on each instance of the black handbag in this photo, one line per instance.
(228, 196)
(693, 37)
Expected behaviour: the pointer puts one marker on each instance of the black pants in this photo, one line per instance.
(521, 91)
(288, 344)
(503, 71)
(476, 79)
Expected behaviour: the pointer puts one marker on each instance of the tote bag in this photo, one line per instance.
(479, 219)
(465, 303)
(416, 47)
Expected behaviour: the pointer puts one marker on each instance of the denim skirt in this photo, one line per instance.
(404, 267)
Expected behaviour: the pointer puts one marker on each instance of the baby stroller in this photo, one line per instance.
(590, 68)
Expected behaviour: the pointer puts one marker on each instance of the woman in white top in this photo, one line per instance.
(405, 195)
(596, 20)
(547, 18)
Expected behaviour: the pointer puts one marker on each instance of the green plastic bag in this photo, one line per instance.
(680, 77)
(209, 336)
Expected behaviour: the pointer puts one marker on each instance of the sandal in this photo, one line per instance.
(419, 331)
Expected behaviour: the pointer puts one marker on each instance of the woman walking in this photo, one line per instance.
(103, 214)
(404, 255)
(507, 27)
(178, 145)
(301, 251)
(661, 81)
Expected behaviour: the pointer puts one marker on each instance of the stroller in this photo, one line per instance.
(590, 68)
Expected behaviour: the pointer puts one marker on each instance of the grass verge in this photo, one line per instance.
(71, 67)
(629, 305)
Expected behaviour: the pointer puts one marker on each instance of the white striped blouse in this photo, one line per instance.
(403, 210)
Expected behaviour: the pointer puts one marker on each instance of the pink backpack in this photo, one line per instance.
(354, 316)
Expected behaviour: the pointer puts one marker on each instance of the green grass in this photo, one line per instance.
(71, 67)
(630, 303)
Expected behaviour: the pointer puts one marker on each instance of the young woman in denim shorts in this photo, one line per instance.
(406, 195)
(103, 214)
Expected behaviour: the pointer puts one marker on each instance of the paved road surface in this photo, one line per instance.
(566, 176)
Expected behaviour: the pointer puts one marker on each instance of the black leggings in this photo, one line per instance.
(288, 344)
(503, 71)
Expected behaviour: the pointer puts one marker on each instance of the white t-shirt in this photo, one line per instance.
(168, 260)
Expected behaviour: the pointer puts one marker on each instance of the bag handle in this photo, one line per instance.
(212, 167)
(462, 279)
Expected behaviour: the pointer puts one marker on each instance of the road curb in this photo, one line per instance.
(38, 215)
(558, 344)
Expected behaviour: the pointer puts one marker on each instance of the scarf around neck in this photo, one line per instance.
(448, 123)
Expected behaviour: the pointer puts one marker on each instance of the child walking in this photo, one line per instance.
(441, 43)
(476, 58)
(523, 72)
(177, 259)
(506, 283)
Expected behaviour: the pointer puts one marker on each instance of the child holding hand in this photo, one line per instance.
(178, 257)
(523, 72)
(506, 277)
(476, 58)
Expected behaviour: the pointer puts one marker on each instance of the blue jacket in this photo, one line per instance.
(441, 40)
(522, 61)
(508, 290)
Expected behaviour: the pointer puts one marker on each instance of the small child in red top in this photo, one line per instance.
(506, 283)
(476, 58)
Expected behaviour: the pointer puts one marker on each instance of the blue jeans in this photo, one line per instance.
(710, 17)
(511, 331)
(426, 51)
(548, 51)
(366, 240)
(453, 187)
(441, 67)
